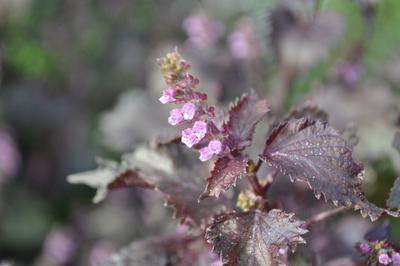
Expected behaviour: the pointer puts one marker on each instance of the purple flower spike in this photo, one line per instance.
(175, 117)
(364, 247)
(188, 110)
(215, 146)
(167, 96)
(205, 154)
(189, 138)
(200, 129)
(384, 259)
(396, 259)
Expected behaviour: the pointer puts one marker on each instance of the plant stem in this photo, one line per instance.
(324, 215)
(258, 165)
(255, 184)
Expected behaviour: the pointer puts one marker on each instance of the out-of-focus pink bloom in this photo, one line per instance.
(100, 253)
(189, 138)
(9, 155)
(384, 259)
(364, 247)
(202, 30)
(396, 259)
(199, 129)
(188, 110)
(242, 42)
(175, 117)
(59, 246)
(167, 96)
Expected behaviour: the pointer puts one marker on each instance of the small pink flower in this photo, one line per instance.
(189, 138)
(384, 259)
(175, 117)
(167, 96)
(188, 110)
(364, 247)
(200, 129)
(396, 259)
(215, 146)
(205, 154)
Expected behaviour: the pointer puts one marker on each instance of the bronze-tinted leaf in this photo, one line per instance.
(225, 173)
(170, 170)
(314, 152)
(244, 115)
(255, 238)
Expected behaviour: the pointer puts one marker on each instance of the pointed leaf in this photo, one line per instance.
(244, 115)
(313, 152)
(169, 170)
(225, 173)
(254, 238)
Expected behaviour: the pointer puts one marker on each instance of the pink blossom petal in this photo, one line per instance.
(167, 96)
(188, 138)
(215, 146)
(200, 129)
(384, 259)
(188, 110)
(396, 259)
(205, 154)
(175, 117)
(364, 247)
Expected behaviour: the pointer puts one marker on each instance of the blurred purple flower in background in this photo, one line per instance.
(242, 42)
(100, 253)
(59, 247)
(9, 156)
(202, 31)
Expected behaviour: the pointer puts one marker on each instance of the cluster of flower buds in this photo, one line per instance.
(200, 131)
(379, 253)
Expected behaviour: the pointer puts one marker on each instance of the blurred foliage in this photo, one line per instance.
(65, 62)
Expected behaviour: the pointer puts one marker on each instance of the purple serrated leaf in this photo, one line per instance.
(225, 173)
(255, 238)
(244, 115)
(314, 152)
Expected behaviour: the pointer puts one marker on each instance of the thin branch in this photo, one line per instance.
(324, 215)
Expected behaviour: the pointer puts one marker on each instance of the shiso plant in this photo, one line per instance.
(241, 226)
